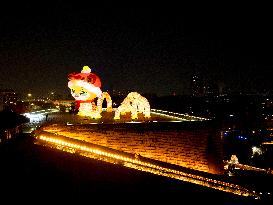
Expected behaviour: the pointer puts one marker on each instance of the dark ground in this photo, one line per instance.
(34, 174)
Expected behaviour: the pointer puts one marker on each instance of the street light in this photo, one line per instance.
(29, 95)
(51, 97)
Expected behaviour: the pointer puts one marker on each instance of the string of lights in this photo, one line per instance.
(142, 165)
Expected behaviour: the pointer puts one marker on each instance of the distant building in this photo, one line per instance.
(197, 86)
(201, 86)
(8, 97)
(210, 88)
(64, 105)
(10, 125)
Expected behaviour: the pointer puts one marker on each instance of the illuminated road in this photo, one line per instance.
(177, 116)
(36, 118)
(39, 115)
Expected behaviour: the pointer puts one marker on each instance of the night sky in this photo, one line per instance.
(149, 50)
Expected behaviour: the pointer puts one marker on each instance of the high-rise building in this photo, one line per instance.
(197, 87)
(203, 86)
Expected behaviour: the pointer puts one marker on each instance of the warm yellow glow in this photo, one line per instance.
(105, 95)
(234, 159)
(85, 87)
(86, 69)
(133, 103)
(89, 109)
(143, 165)
(82, 90)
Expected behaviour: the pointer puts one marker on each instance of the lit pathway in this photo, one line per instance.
(91, 151)
(177, 116)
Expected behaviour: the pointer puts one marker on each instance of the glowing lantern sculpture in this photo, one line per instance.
(134, 103)
(85, 87)
(106, 96)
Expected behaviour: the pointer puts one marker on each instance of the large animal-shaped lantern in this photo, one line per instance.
(133, 103)
(85, 87)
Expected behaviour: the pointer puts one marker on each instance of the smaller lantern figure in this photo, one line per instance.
(85, 87)
(105, 95)
(134, 103)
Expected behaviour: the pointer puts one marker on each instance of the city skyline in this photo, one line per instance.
(135, 49)
(187, 113)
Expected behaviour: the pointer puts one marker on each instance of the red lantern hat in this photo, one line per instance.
(86, 79)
